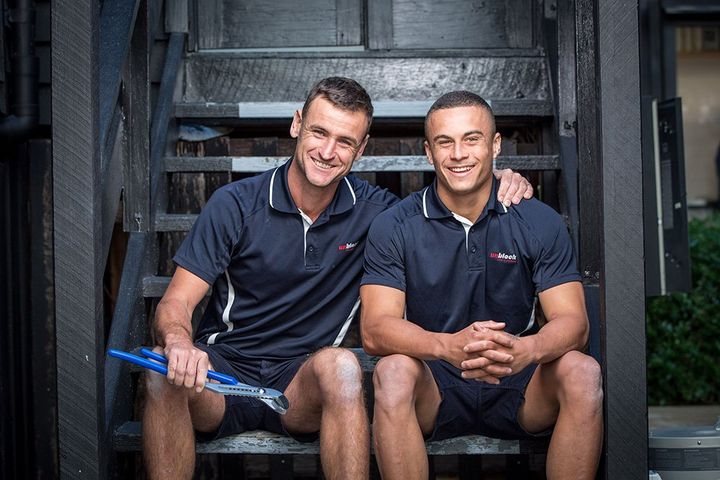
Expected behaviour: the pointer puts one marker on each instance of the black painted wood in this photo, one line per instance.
(405, 163)
(111, 177)
(42, 308)
(162, 129)
(590, 183)
(520, 23)
(128, 328)
(174, 222)
(176, 16)
(233, 79)
(278, 24)
(136, 101)
(349, 21)
(461, 24)
(116, 26)
(232, 113)
(566, 121)
(127, 439)
(623, 282)
(79, 261)
(380, 24)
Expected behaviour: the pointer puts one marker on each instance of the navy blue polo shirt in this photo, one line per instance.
(452, 278)
(279, 291)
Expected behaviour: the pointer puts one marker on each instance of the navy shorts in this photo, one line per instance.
(472, 407)
(246, 413)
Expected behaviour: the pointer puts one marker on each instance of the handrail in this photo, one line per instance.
(117, 22)
(141, 258)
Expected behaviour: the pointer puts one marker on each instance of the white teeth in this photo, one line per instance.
(324, 166)
(460, 169)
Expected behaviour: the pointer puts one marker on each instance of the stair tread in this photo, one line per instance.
(383, 109)
(369, 163)
(128, 438)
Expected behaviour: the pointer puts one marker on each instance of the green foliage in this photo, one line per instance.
(683, 329)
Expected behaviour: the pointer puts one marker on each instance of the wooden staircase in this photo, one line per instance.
(256, 96)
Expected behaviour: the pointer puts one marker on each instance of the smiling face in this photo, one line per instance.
(329, 140)
(461, 144)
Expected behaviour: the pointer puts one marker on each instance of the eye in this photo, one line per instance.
(472, 140)
(347, 143)
(318, 133)
(444, 142)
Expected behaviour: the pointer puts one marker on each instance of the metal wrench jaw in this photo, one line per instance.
(280, 401)
(272, 398)
(279, 404)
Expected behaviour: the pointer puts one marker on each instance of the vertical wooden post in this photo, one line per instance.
(611, 243)
(79, 259)
(136, 138)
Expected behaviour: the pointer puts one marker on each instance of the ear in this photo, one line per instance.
(428, 153)
(497, 143)
(296, 124)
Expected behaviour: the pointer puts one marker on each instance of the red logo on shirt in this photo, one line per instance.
(346, 247)
(503, 257)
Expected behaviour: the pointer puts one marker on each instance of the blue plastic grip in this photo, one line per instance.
(143, 362)
(212, 375)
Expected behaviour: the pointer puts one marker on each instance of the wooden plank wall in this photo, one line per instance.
(391, 24)
(282, 23)
(79, 260)
(462, 24)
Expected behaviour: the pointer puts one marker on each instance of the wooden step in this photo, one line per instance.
(517, 83)
(401, 163)
(127, 438)
(174, 222)
(383, 109)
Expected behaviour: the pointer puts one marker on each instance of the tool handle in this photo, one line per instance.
(212, 375)
(143, 362)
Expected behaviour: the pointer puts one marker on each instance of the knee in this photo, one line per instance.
(338, 374)
(580, 379)
(157, 389)
(394, 381)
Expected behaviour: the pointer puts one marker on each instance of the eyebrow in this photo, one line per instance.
(466, 134)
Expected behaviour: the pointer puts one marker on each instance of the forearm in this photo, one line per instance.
(390, 335)
(173, 322)
(559, 336)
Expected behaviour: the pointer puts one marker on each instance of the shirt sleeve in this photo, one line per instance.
(208, 247)
(556, 264)
(384, 254)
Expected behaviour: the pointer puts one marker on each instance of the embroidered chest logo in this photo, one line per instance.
(348, 246)
(503, 257)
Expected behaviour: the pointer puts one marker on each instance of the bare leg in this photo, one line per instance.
(327, 395)
(568, 389)
(406, 406)
(171, 414)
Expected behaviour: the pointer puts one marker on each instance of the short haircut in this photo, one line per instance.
(344, 93)
(460, 98)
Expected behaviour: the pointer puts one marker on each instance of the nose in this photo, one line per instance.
(327, 149)
(458, 152)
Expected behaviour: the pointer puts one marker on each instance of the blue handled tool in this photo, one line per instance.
(230, 385)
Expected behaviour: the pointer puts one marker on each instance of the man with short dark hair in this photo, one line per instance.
(448, 295)
(283, 252)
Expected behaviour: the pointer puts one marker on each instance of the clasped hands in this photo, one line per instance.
(485, 352)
